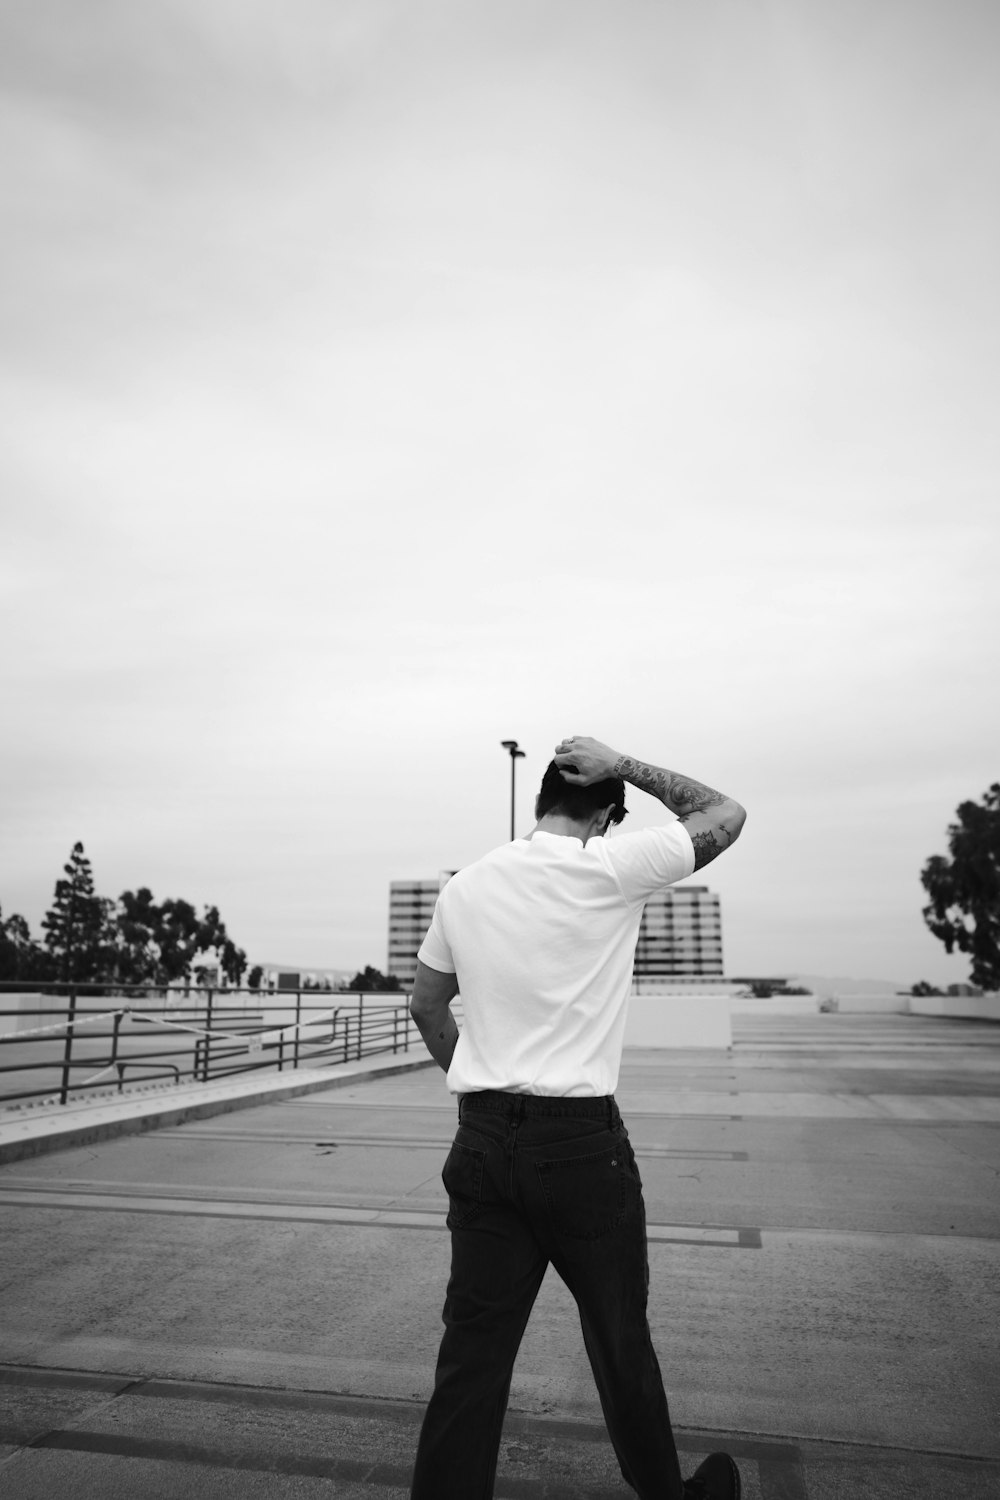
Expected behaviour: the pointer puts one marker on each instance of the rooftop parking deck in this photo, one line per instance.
(249, 1305)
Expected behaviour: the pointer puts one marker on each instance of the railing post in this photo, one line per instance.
(116, 1027)
(361, 1022)
(208, 1040)
(298, 1018)
(68, 1048)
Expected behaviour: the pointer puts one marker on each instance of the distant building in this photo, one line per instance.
(680, 935)
(411, 907)
(294, 977)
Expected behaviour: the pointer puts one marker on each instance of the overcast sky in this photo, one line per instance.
(384, 380)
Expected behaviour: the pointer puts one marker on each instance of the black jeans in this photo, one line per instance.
(530, 1180)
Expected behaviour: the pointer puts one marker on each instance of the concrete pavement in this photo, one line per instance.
(33, 1129)
(250, 1304)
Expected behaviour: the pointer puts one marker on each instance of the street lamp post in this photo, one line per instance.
(515, 756)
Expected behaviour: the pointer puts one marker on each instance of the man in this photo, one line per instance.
(539, 936)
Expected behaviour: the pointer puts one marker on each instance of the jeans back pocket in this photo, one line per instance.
(462, 1176)
(589, 1196)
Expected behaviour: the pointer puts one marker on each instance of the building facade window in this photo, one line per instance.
(680, 935)
(411, 908)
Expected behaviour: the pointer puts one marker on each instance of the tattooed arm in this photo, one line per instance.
(429, 1007)
(713, 820)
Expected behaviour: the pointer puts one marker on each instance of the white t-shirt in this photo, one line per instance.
(541, 933)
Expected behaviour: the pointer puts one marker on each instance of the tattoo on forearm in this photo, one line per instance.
(706, 847)
(679, 793)
(694, 796)
(648, 778)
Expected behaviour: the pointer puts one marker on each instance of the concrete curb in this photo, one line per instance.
(83, 1124)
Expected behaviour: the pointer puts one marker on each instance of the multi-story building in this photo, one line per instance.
(411, 907)
(680, 936)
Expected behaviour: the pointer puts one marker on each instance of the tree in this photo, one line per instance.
(964, 906)
(369, 980)
(138, 925)
(20, 956)
(76, 924)
(213, 934)
(159, 943)
(254, 977)
(135, 940)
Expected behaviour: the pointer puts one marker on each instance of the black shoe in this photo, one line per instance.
(717, 1478)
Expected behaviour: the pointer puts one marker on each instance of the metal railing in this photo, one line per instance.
(64, 1040)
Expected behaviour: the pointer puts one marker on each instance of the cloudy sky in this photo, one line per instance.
(381, 380)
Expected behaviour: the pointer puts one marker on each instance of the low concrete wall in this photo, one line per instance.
(677, 1020)
(961, 1007)
(884, 1005)
(775, 1005)
(33, 1010)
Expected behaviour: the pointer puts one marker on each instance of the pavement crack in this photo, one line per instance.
(91, 1412)
(74, 1424)
(968, 1155)
(410, 1192)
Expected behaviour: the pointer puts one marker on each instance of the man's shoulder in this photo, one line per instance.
(655, 856)
(477, 867)
(659, 835)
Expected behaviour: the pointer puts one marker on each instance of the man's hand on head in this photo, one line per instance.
(582, 760)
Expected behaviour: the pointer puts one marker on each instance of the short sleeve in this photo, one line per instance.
(435, 950)
(649, 859)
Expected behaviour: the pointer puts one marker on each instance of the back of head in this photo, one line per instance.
(579, 802)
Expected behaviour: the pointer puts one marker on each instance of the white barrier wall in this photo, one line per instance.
(871, 1004)
(697, 1019)
(962, 1007)
(34, 1009)
(775, 1005)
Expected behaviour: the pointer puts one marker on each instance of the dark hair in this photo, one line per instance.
(579, 802)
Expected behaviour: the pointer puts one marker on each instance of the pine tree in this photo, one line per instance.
(75, 924)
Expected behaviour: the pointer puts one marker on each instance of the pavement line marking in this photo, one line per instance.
(214, 1208)
(410, 1142)
(377, 1218)
(320, 1466)
(295, 1398)
(198, 1193)
(780, 1461)
(381, 1476)
(723, 1239)
(414, 1107)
